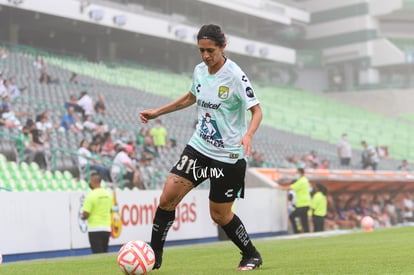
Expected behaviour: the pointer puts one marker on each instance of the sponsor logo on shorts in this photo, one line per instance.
(206, 172)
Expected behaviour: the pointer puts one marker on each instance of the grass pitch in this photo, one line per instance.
(387, 251)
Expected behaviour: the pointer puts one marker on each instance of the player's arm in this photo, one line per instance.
(257, 115)
(178, 104)
(283, 186)
(86, 208)
(85, 215)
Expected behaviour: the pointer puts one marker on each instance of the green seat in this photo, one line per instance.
(53, 185)
(3, 158)
(5, 185)
(48, 176)
(67, 175)
(34, 166)
(41, 185)
(20, 186)
(24, 166)
(58, 175)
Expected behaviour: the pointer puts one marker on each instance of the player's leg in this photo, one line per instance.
(179, 182)
(224, 189)
(175, 189)
(304, 218)
(94, 241)
(292, 218)
(105, 241)
(222, 214)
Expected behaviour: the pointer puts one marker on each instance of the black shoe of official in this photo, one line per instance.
(158, 259)
(250, 262)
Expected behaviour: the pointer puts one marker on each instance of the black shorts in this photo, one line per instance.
(226, 179)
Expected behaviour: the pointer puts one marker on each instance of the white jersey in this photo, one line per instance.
(221, 100)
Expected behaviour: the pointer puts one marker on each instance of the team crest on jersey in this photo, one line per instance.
(223, 92)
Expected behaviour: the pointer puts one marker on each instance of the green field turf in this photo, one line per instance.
(387, 251)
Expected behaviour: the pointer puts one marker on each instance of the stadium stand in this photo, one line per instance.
(297, 122)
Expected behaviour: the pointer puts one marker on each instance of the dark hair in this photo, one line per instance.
(82, 142)
(301, 170)
(322, 188)
(212, 32)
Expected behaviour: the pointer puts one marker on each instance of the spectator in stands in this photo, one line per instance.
(319, 207)
(69, 121)
(6, 87)
(10, 117)
(324, 164)
(73, 102)
(257, 160)
(14, 90)
(32, 151)
(159, 136)
(330, 218)
(108, 147)
(3, 54)
(149, 148)
(404, 166)
(45, 78)
(344, 212)
(369, 156)
(146, 169)
(43, 123)
(408, 207)
(87, 160)
(391, 211)
(344, 151)
(39, 63)
(378, 211)
(91, 126)
(313, 160)
(140, 138)
(295, 162)
(304, 161)
(41, 142)
(382, 151)
(123, 159)
(301, 187)
(86, 103)
(100, 107)
(73, 78)
(3, 89)
(38, 136)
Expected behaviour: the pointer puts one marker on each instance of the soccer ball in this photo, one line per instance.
(136, 258)
(367, 222)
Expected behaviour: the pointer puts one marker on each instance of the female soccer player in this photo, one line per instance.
(221, 142)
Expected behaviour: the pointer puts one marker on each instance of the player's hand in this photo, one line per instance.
(146, 115)
(247, 143)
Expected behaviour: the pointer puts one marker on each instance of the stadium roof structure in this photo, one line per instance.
(351, 181)
(276, 11)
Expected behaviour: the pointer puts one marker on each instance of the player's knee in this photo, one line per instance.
(221, 218)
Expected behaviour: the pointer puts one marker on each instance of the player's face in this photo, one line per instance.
(211, 54)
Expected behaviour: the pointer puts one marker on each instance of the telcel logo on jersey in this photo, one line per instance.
(208, 105)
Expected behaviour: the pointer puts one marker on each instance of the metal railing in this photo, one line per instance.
(88, 165)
